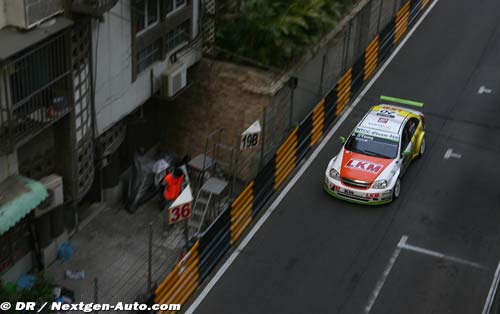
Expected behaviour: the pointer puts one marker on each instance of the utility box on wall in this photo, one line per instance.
(49, 219)
(26, 14)
(173, 80)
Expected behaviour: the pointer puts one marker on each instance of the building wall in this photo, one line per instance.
(115, 94)
(8, 165)
(2, 14)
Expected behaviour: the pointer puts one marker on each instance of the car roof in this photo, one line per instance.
(385, 118)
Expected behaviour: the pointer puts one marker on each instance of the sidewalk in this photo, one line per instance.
(113, 247)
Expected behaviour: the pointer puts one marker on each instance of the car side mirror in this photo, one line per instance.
(406, 153)
(342, 139)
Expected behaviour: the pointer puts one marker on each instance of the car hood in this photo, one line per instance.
(362, 167)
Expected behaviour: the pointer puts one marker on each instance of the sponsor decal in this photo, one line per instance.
(363, 165)
(376, 133)
(334, 187)
(383, 120)
(372, 195)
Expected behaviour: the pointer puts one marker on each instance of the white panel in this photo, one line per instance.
(8, 165)
(14, 11)
(3, 22)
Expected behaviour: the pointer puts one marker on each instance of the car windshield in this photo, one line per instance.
(372, 146)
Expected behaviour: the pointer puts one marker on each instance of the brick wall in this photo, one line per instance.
(223, 95)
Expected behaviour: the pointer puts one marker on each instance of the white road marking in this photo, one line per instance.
(449, 153)
(304, 167)
(385, 274)
(420, 250)
(484, 90)
(492, 292)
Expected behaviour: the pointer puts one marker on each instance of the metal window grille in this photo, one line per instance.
(35, 89)
(148, 56)
(178, 35)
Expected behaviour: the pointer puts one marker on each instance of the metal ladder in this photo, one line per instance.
(200, 208)
(204, 208)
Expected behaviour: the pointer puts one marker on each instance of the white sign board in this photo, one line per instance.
(251, 137)
(181, 207)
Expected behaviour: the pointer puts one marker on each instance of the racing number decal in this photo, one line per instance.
(179, 213)
(388, 112)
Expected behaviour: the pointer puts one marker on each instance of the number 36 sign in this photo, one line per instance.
(181, 207)
(250, 138)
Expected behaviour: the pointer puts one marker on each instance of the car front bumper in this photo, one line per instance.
(369, 196)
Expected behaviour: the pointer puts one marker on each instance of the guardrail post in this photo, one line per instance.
(262, 146)
(323, 63)
(292, 84)
(150, 257)
(96, 293)
(379, 15)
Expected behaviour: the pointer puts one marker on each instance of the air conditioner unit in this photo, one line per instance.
(54, 185)
(173, 80)
(29, 13)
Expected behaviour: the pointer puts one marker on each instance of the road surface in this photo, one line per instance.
(316, 254)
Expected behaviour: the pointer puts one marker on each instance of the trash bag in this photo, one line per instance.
(64, 252)
(146, 177)
(163, 165)
(141, 185)
(26, 282)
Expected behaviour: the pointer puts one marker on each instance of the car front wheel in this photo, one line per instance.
(397, 189)
(422, 147)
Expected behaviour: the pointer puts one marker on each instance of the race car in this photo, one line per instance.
(369, 167)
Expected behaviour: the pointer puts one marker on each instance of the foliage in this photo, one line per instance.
(40, 292)
(277, 32)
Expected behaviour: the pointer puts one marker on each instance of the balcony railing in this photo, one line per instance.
(35, 91)
(93, 7)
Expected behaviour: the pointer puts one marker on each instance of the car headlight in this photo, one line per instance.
(334, 174)
(380, 184)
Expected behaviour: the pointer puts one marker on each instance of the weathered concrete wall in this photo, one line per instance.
(320, 69)
(223, 95)
(2, 14)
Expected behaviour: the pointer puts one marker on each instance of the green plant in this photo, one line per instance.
(276, 32)
(40, 292)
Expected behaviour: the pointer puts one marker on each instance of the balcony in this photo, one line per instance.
(35, 90)
(93, 7)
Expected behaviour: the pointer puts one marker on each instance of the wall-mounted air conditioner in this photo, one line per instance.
(29, 13)
(173, 80)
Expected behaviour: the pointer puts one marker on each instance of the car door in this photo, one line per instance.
(412, 134)
(406, 146)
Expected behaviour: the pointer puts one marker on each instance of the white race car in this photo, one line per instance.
(369, 166)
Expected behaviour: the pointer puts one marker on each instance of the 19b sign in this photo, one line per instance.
(250, 140)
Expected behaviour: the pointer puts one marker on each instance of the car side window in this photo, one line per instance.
(405, 140)
(412, 127)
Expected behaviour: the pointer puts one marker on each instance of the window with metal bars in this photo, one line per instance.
(37, 89)
(147, 14)
(178, 36)
(148, 55)
(172, 6)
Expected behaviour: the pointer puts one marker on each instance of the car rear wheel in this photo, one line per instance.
(422, 147)
(397, 189)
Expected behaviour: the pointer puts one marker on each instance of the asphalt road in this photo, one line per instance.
(316, 254)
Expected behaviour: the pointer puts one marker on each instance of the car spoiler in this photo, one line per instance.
(402, 101)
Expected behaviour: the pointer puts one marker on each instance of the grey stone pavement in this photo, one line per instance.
(112, 246)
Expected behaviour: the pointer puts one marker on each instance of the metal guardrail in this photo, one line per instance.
(235, 219)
